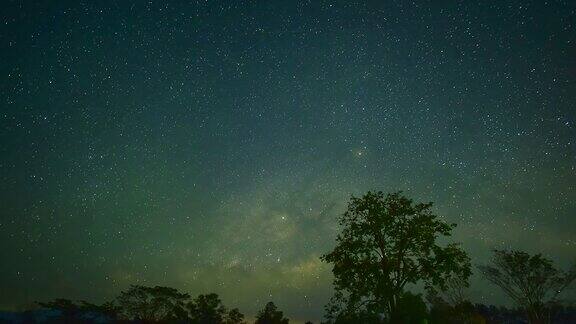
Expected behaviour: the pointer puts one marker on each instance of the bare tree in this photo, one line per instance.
(456, 291)
(451, 302)
(532, 282)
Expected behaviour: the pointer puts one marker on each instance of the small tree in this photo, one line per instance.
(387, 242)
(153, 303)
(207, 309)
(455, 292)
(271, 315)
(234, 317)
(444, 312)
(451, 304)
(532, 282)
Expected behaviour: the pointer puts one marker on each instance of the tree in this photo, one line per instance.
(531, 281)
(444, 312)
(455, 291)
(207, 309)
(387, 242)
(234, 317)
(451, 304)
(270, 315)
(153, 303)
(411, 309)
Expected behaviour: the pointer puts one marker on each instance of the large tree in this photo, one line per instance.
(387, 242)
(531, 281)
(153, 303)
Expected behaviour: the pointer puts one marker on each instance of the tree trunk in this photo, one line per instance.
(537, 317)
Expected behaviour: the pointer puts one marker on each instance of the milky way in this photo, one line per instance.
(210, 146)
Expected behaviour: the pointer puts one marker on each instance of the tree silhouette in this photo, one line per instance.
(234, 317)
(532, 282)
(452, 303)
(207, 309)
(443, 311)
(153, 303)
(386, 243)
(270, 315)
(411, 309)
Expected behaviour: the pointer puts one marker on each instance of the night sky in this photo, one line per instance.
(210, 146)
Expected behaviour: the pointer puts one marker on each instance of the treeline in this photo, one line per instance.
(387, 245)
(141, 304)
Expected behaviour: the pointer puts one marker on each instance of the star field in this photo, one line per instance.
(209, 146)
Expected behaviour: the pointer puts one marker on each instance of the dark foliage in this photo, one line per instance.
(141, 304)
(153, 303)
(234, 317)
(386, 243)
(271, 315)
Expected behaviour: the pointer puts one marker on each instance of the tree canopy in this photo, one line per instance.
(387, 242)
(208, 309)
(271, 315)
(234, 317)
(153, 303)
